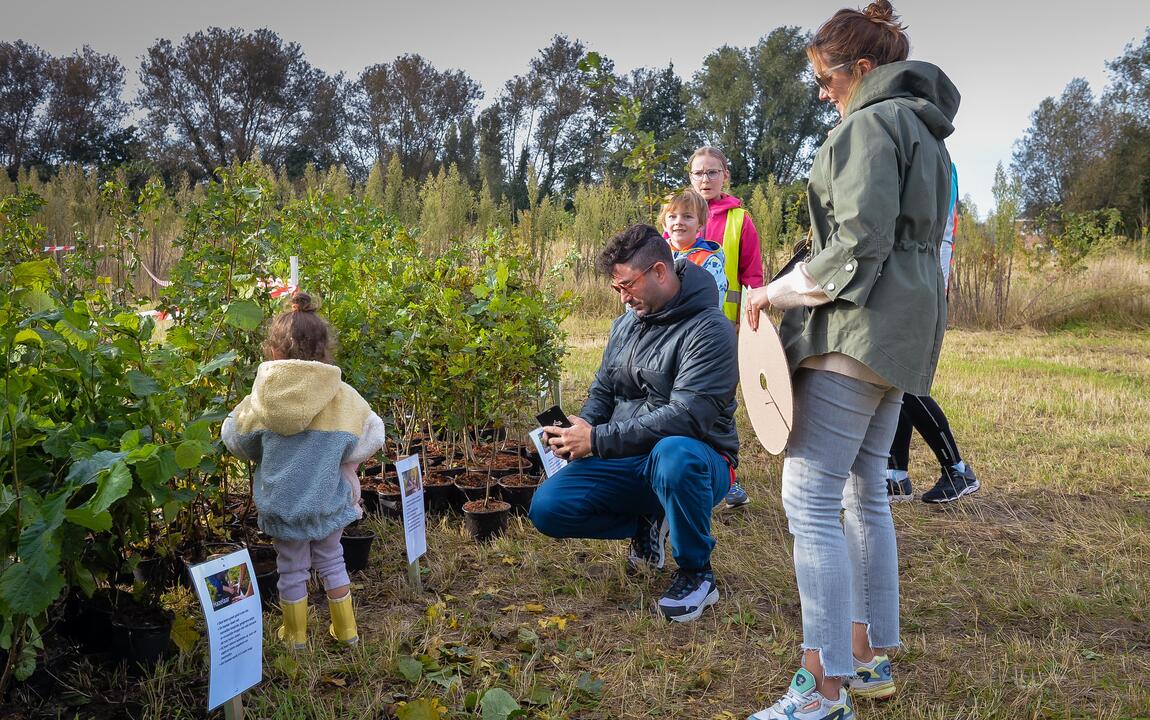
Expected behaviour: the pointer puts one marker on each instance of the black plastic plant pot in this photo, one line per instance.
(370, 498)
(439, 498)
(88, 621)
(200, 553)
(156, 571)
(519, 492)
(267, 574)
(473, 485)
(356, 548)
(140, 634)
(486, 519)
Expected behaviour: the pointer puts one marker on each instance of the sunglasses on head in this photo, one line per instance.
(824, 78)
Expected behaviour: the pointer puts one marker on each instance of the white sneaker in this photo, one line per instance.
(689, 595)
(804, 702)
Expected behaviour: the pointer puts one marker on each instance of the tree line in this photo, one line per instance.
(222, 96)
(1084, 156)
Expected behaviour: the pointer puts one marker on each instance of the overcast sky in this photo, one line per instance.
(1005, 56)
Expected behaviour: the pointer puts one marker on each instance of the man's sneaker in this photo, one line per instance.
(899, 490)
(873, 680)
(649, 546)
(952, 485)
(690, 593)
(737, 496)
(804, 702)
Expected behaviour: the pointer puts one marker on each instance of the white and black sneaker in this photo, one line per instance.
(899, 489)
(690, 593)
(952, 484)
(649, 546)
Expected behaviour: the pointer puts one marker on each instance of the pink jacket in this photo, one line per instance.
(750, 254)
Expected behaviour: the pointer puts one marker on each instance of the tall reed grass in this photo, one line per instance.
(998, 281)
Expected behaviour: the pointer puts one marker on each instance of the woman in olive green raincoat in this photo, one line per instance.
(864, 321)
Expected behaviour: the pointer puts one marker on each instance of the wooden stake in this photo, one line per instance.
(413, 578)
(234, 708)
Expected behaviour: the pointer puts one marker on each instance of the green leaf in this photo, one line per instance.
(34, 272)
(540, 695)
(80, 339)
(222, 360)
(445, 677)
(28, 337)
(200, 430)
(244, 314)
(37, 301)
(497, 704)
(184, 633)
(410, 668)
(142, 385)
(190, 452)
(156, 471)
(8, 498)
(23, 591)
(39, 547)
(130, 440)
(589, 685)
(110, 487)
(85, 471)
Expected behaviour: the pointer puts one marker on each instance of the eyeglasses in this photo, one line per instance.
(709, 174)
(824, 78)
(626, 285)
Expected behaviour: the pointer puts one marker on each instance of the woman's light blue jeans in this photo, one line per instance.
(847, 569)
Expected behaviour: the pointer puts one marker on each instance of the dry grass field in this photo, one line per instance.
(1027, 600)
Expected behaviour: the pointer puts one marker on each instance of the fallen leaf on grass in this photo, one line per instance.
(421, 709)
(336, 681)
(558, 622)
(526, 607)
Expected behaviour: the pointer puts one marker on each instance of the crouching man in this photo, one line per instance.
(654, 447)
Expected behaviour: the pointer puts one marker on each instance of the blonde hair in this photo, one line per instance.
(712, 152)
(299, 333)
(686, 199)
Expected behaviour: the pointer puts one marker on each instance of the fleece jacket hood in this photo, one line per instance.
(288, 394)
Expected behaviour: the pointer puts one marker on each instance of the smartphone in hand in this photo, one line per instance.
(553, 415)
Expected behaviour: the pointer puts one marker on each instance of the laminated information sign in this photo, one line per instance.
(411, 489)
(228, 593)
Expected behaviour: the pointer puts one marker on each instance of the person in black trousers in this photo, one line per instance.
(923, 414)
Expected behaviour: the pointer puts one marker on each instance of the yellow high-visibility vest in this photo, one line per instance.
(732, 234)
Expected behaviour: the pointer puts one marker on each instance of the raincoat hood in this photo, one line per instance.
(924, 87)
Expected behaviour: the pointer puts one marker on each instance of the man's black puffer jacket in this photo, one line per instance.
(669, 373)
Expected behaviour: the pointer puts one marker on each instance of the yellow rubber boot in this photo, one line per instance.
(342, 626)
(294, 630)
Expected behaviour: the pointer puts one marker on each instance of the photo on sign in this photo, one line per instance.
(229, 586)
(412, 482)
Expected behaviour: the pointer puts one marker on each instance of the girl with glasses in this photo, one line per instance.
(864, 320)
(729, 225)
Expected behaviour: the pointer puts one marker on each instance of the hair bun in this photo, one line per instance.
(880, 10)
(302, 302)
